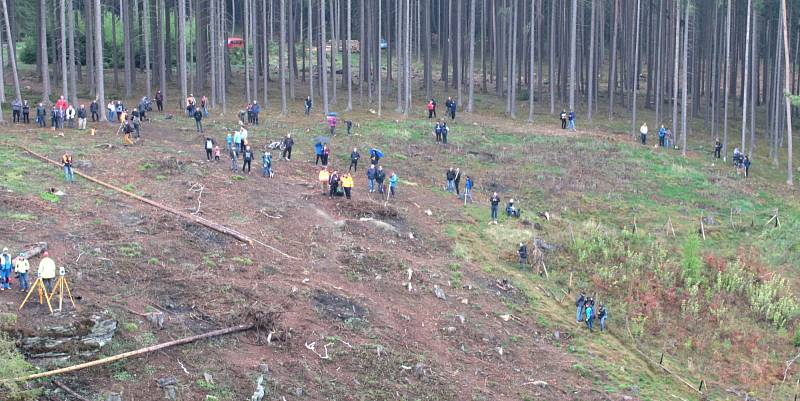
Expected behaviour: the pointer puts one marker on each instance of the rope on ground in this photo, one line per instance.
(103, 361)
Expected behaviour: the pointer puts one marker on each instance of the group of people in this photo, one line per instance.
(664, 135)
(61, 114)
(741, 162)
(453, 176)
(441, 130)
(586, 312)
(335, 184)
(20, 266)
(450, 104)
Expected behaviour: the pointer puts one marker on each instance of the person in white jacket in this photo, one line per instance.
(643, 133)
(70, 115)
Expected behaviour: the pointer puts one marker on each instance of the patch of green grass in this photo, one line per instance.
(9, 215)
(237, 178)
(153, 261)
(122, 376)
(245, 261)
(146, 166)
(49, 196)
(131, 250)
(130, 327)
(129, 187)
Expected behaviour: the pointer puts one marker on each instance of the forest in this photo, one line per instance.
(604, 59)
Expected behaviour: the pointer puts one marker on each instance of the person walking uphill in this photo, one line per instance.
(354, 156)
(602, 315)
(288, 142)
(643, 133)
(590, 316)
(198, 119)
(21, 267)
(393, 179)
(209, 146)
(523, 255)
(5, 270)
(579, 306)
(266, 162)
(495, 204)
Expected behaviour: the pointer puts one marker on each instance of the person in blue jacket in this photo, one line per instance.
(318, 152)
(266, 161)
(662, 135)
(393, 184)
(571, 120)
(5, 270)
(256, 109)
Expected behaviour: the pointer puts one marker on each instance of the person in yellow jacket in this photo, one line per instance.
(47, 271)
(21, 267)
(347, 184)
(324, 176)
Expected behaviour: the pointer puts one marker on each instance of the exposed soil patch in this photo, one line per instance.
(333, 306)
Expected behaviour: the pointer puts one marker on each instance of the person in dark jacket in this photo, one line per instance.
(266, 162)
(371, 173)
(602, 314)
(354, 156)
(380, 175)
(333, 184)
(579, 306)
(54, 115)
(746, 164)
(326, 152)
(288, 142)
(373, 157)
(94, 109)
(718, 149)
(451, 108)
(256, 109)
(26, 112)
(160, 101)
(349, 124)
(247, 157)
(16, 110)
(563, 116)
(523, 255)
(308, 104)
(198, 119)
(40, 116)
(82, 117)
(445, 132)
(451, 177)
(495, 203)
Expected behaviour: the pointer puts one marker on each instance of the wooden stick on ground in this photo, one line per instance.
(70, 391)
(129, 354)
(199, 220)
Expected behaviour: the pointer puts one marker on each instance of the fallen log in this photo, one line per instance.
(70, 391)
(33, 250)
(196, 219)
(103, 361)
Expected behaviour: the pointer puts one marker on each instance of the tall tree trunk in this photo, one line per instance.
(551, 77)
(746, 87)
(471, 68)
(163, 67)
(378, 49)
(572, 47)
(512, 76)
(11, 51)
(265, 49)
(98, 56)
(88, 21)
(787, 101)
(612, 74)
(44, 65)
(213, 49)
(427, 50)
(635, 87)
(685, 79)
(63, 50)
(659, 68)
(127, 43)
(148, 71)
(532, 64)
(591, 74)
(73, 77)
(727, 81)
(349, 58)
(321, 51)
(310, 45)
(334, 50)
(457, 75)
(182, 51)
(247, 40)
(282, 57)
(676, 70)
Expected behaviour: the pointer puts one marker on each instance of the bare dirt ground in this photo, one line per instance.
(344, 291)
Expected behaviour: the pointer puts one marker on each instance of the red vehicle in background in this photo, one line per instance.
(235, 42)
